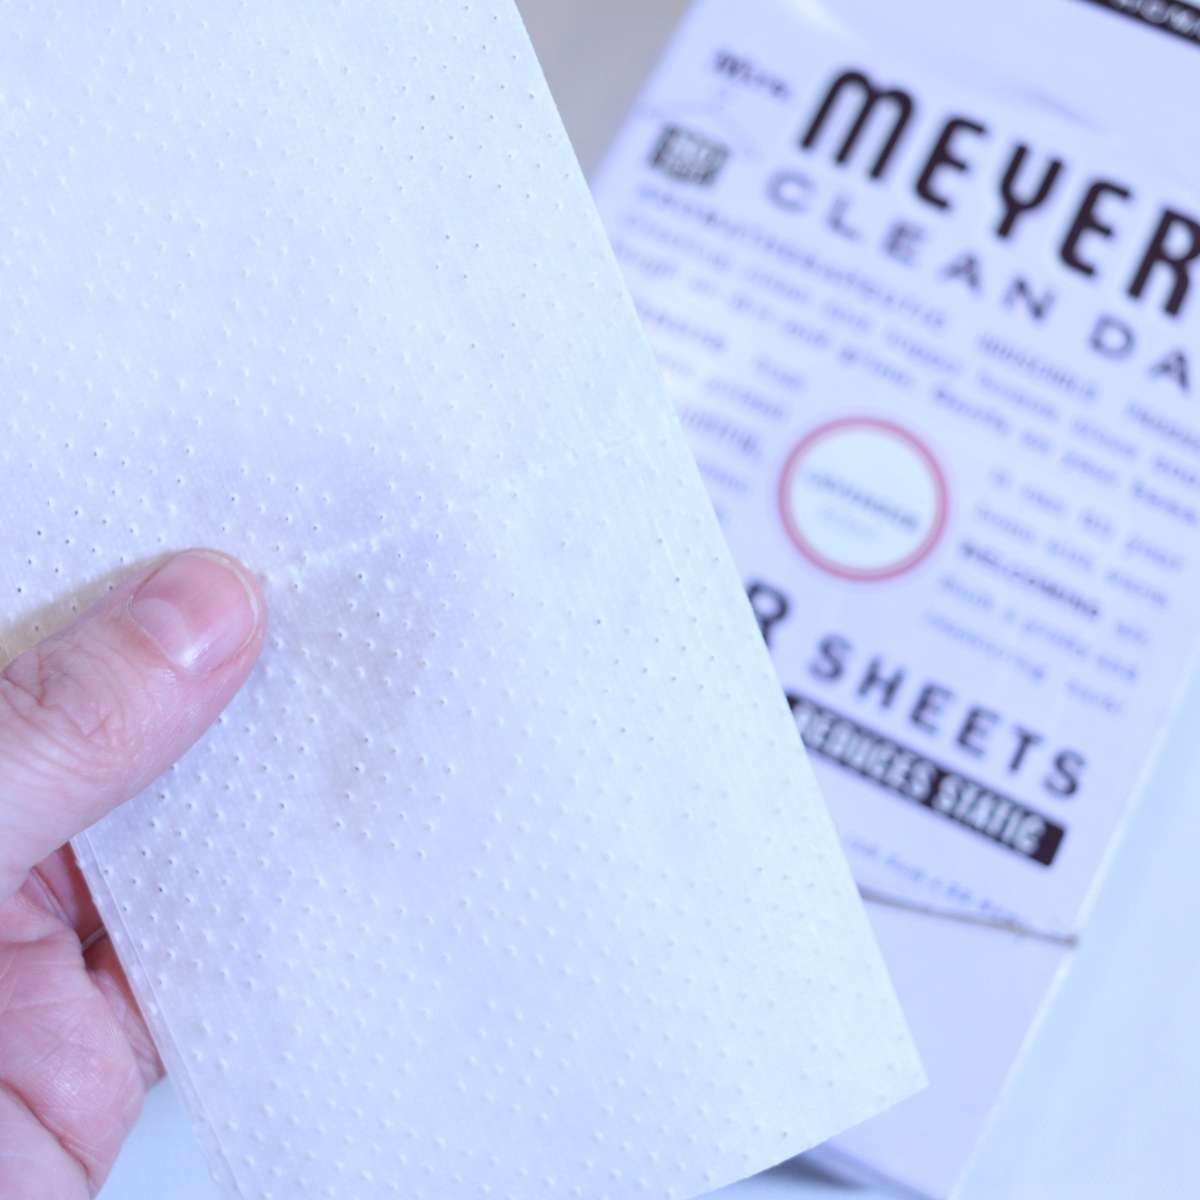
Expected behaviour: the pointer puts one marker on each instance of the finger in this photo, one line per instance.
(109, 978)
(58, 885)
(65, 1053)
(38, 1168)
(95, 713)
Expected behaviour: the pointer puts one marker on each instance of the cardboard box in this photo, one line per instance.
(929, 337)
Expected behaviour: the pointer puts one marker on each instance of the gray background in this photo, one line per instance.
(596, 53)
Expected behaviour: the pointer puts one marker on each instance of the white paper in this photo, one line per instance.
(505, 875)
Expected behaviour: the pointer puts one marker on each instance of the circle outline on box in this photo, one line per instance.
(911, 560)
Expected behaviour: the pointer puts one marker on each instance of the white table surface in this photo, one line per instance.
(1106, 1105)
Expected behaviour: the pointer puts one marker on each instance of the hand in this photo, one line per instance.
(88, 719)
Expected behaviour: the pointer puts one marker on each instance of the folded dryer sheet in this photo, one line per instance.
(506, 875)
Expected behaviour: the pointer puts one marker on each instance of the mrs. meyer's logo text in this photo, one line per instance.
(877, 132)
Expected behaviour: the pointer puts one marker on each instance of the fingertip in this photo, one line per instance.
(202, 609)
(94, 713)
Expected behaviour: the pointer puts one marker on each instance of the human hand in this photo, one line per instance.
(87, 719)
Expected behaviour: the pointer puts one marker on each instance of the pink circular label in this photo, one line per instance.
(863, 499)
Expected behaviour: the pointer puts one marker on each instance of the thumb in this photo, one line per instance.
(95, 713)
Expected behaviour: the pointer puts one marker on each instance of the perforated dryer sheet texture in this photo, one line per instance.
(505, 876)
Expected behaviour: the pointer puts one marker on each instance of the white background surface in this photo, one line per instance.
(1105, 1106)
